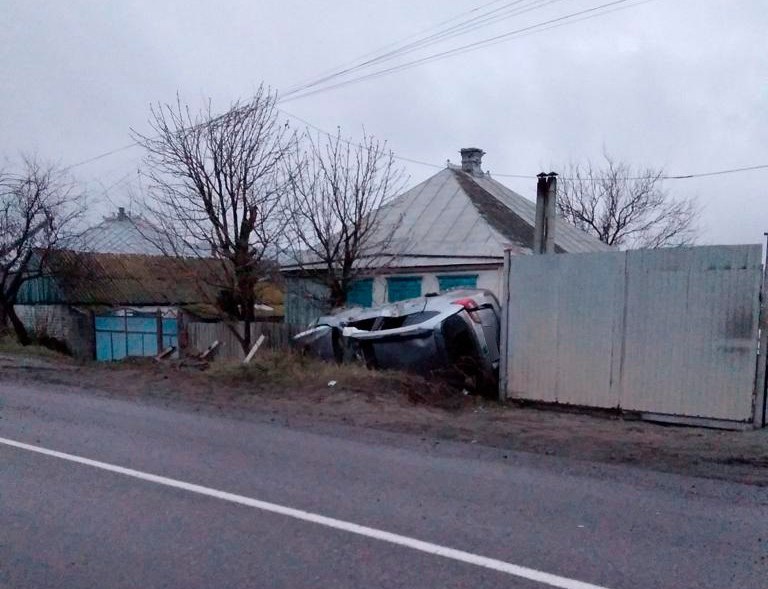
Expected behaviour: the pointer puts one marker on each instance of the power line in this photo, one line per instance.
(354, 144)
(462, 28)
(718, 173)
(533, 176)
(100, 156)
(441, 55)
(389, 46)
(530, 29)
(438, 166)
(662, 177)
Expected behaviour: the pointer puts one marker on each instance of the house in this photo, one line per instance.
(108, 306)
(449, 231)
(122, 233)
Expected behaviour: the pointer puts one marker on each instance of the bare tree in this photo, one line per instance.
(338, 188)
(625, 207)
(215, 192)
(39, 208)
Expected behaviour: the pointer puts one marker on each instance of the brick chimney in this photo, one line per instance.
(471, 160)
(121, 216)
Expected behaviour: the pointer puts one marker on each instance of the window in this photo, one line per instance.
(403, 287)
(361, 293)
(457, 281)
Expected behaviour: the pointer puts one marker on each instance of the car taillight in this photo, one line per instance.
(470, 306)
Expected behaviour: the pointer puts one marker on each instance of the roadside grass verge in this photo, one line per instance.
(10, 345)
(291, 371)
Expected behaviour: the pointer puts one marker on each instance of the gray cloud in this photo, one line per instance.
(676, 84)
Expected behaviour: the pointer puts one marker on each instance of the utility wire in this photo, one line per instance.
(530, 29)
(463, 28)
(552, 23)
(375, 74)
(533, 176)
(354, 144)
(438, 166)
(394, 44)
(718, 173)
(662, 177)
(100, 156)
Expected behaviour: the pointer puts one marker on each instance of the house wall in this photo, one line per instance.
(303, 301)
(487, 279)
(74, 328)
(303, 297)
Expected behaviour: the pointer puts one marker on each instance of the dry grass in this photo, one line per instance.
(290, 371)
(285, 385)
(10, 345)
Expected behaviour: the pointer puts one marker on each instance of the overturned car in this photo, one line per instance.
(456, 330)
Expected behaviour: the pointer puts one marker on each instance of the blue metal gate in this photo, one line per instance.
(125, 333)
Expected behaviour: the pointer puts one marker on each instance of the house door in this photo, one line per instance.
(127, 333)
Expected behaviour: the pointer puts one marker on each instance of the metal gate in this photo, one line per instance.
(129, 333)
(670, 332)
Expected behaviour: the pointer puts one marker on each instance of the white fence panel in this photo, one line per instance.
(691, 333)
(589, 313)
(670, 332)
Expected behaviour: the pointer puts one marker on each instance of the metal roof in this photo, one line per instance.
(455, 215)
(84, 278)
(122, 234)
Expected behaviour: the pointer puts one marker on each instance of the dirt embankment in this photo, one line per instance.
(289, 386)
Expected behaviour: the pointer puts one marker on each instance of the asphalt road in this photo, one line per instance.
(65, 523)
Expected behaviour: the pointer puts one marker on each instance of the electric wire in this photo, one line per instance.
(391, 45)
(568, 19)
(530, 29)
(463, 28)
(376, 74)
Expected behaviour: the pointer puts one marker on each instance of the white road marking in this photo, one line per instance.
(420, 545)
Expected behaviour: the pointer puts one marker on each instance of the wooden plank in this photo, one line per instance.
(254, 349)
(210, 350)
(165, 353)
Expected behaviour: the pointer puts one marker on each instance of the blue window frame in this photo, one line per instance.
(403, 287)
(361, 293)
(448, 282)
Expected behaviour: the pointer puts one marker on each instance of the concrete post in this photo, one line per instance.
(761, 378)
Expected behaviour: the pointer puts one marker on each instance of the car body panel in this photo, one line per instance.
(420, 334)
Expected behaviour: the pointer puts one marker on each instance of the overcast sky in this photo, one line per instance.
(678, 84)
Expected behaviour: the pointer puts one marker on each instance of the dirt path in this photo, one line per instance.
(736, 456)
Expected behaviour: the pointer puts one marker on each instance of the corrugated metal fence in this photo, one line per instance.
(202, 335)
(669, 332)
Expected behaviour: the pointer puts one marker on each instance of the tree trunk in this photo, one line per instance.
(247, 335)
(338, 295)
(21, 332)
(3, 320)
